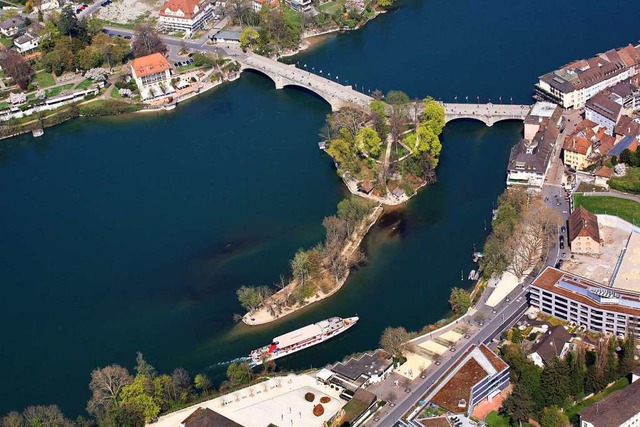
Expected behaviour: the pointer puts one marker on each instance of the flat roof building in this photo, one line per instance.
(590, 304)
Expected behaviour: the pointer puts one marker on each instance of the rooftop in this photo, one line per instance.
(188, 7)
(534, 155)
(627, 275)
(205, 417)
(627, 142)
(543, 109)
(605, 106)
(582, 223)
(551, 344)
(150, 64)
(616, 408)
(368, 364)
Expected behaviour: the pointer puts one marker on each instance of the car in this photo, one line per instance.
(563, 229)
(561, 238)
(558, 264)
(78, 10)
(561, 245)
(564, 254)
(494, 311)
(127, 37)
(557, 203)
(508, 299)
(85, 5)
(518, 299)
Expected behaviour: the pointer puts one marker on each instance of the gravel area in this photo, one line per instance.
(126, 11)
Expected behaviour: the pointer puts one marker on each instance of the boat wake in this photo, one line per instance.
(229, 362)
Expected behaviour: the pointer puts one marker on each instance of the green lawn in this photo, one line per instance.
(6, 42)
(84, 84)
(54, 91)
(115, 94)
(494, 419)
(44, 79)
(332, 7)
(184, 68)
(4, 105)
(573, 411)
(628, 210)
(629, 183)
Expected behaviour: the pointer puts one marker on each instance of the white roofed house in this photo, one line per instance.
(26, 42)
(187, 16)
(152, 76)
(12, 26)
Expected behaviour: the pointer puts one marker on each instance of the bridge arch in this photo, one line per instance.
(281, 83)
(481, 119)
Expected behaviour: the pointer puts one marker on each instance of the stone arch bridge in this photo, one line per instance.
(486, 113)
(334, 93)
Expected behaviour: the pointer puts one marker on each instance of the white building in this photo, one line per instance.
(11, 26)
(152, 76)
(574, 84)
(184, 15)
(26, 42)
(47, 5)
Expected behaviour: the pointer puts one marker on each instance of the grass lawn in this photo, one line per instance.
(332, 7)
(54, 91)
(6, 42)
(84, 84)
(44, 79)
(4, 105)
(628, 210)
(115, 94)
(494, 419)
(630, 182)
(573, 411)
(184, 68)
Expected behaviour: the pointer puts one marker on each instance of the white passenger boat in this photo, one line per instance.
(302, 338)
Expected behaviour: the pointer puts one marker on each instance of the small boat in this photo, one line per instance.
(37, 132)
(472, 273)
(300, 339)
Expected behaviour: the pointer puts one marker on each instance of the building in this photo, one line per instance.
(259, 4)
(230, 37)
(620, 409)
(358, 372)
(184, 15)
(555, 343)
(590, 304)
(356, 411)
(477, 375)
(584, 234)
(205, 417)
(12, 26)
(152, 76)
(627, 126)
(576, 152)
(530, 159)
(626, 143)
(602, 175)
(299, 5)
(574, 84)
(26, 42)
(604, 110)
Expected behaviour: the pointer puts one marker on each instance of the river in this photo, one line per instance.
(126, 234)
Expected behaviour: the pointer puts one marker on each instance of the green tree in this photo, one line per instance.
(301, 266)
(555, 382)
(378, 107)
(393, 340)
(135, 395)
(552, 416)
(143, 367)
(68, 24)
(516, 336)
(518, 405)
(249, 297)
(459, 300)
(203, 383)
(396, 97)
(385, 3)
(577, 371)
(122, 416)
(343, 153)
(239, 373)
(424, 140)
(352, 211)
(248, 37)
(368, 141)
(433, 115)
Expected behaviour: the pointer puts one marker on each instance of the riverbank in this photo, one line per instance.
(264, 314)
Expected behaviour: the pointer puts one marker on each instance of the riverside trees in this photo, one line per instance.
(523, 229)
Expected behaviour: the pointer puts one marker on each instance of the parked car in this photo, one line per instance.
(561, 237)
(563, 229)
(561, 245)
(127, 37)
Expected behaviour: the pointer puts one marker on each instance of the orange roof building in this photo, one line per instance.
(152, 75)
(184, 15)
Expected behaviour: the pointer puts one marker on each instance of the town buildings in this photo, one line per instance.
(574, 84)
(530, 159)
(358, 372)
(152, 76)
(555, 343)
(259, 4)
(607, 107)
(205, 417)
(477, 375)
(184, 15)
(26, 42)
(584, 234)
(12, 26)
(620, 409)
(590, 304)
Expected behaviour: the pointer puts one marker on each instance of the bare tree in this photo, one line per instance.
(106, 385)
(181, 382)
(12, 419)
(393, 340)
(336, 233)
(349, 118)
(16, 67)
(49, 415)
(147, 41)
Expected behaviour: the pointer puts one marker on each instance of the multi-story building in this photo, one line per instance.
(604, 110)
(574, 84)
(152, 76)
(584, 234)
(184, 15)
(590, 304)
(12, 26)
(620, 409)
(530, 159)
(477, 375)
(577, 151)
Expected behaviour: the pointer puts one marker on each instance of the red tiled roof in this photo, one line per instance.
(604, 171)
(583, 223)
(577, 144)
(188, 7)
(150, 64)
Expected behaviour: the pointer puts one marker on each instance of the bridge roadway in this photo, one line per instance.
(486, 113)
(336, 94)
